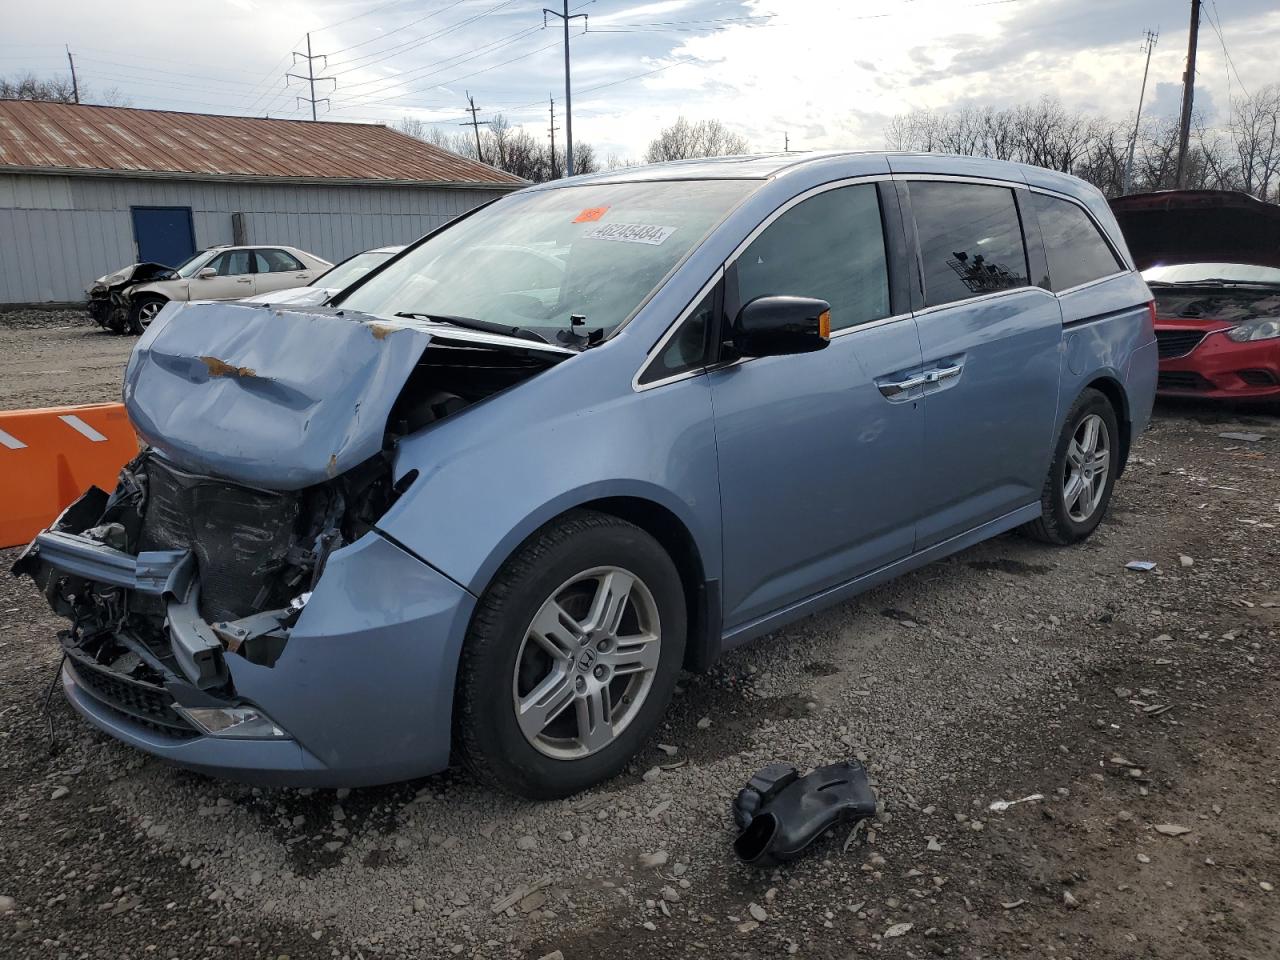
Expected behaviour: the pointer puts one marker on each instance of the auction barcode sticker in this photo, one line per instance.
(630, 232)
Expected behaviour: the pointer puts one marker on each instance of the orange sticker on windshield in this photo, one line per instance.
(591, 215)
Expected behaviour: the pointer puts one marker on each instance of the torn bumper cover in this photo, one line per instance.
(369, 659)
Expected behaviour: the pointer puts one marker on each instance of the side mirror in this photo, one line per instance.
(774, 326)
(204, 273)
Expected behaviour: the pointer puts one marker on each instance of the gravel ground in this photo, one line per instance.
(54, 357)
(1133, 702)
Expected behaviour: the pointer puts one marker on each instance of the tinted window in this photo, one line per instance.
(831, 247)
(1076, 250)
(970, 240)
(232, 263)
(277, 261)
(687, 349)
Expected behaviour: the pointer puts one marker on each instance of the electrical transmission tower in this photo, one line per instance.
(474, 123)
(1149, 44)
(311, 77)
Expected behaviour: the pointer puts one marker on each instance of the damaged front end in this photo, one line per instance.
(166, 577)
(108, 303)
(270, 447)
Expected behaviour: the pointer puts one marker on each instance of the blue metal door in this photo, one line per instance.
(163, 234)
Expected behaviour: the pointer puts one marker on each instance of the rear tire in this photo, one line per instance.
(143, 310)
(1077, 491)
(585, 620)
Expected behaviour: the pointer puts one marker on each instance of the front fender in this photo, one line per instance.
(490, 477)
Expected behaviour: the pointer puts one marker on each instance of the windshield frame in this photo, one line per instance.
(374, 252)
(195, 262)
(755, 182)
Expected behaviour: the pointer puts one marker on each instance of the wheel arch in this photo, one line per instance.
(1114, 391)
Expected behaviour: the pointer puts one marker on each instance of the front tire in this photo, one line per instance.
(571, 658)
(143, 310)
(1077, 491)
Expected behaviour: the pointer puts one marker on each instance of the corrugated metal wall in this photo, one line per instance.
(59, 233)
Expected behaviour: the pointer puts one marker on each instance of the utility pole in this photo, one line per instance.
(75, 87)
(1188, 95)
(1149, 41)
(786, 142)
(474, 123)
(568, 98)
(553, 130)
(311, 77)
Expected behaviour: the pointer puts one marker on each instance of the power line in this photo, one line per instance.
(1231, 65)
(378, 55)
(357, 16)
(395, 30)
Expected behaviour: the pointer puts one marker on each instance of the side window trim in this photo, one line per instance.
(904, 181)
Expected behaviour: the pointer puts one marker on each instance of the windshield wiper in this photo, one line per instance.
(471, 323)
(1212, 282)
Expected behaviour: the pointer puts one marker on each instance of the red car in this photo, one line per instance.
(1212, 260)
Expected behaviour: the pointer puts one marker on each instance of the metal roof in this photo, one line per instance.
(80, 139)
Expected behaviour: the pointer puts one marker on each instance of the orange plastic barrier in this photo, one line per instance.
(49, 457)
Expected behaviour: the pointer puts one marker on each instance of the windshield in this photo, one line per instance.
(188, 267)
(1198, 272)
(352, 269)
(535, 259)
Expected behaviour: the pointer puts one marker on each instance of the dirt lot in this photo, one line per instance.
(50, 358)
(1142, 706)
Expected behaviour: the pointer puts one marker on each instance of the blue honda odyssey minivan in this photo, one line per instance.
(490, 501)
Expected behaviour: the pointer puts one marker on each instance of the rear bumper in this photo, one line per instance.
(1221, 369)
(363, 686)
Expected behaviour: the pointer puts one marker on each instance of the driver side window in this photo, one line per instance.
(232, 263)
(830, 247)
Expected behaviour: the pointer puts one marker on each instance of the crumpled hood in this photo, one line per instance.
(1199, 226)
(281, 399)
(136, 273)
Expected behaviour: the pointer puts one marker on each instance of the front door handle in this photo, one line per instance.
(245, 280)
(939, 374)
(893, 388)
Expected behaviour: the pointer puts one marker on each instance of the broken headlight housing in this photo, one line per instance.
(243, 722)
(1263, 328)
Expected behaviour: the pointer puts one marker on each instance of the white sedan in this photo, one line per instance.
(224, 273)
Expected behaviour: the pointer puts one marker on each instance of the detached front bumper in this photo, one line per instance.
(1219, 368)
(362, 689)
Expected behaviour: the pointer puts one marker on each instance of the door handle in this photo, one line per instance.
(894, 387)
(245, 280)
(942, 373)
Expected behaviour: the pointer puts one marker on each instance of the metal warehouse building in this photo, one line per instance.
(87, 190)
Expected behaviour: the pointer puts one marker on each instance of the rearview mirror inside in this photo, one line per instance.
(773, 326)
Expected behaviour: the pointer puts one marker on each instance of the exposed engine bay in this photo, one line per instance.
(1232, 305)
(108, 305)
(181, 566)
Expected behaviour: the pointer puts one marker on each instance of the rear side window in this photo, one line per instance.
(831, 247)
(277, 261)
(970, 240)
(1076, 250)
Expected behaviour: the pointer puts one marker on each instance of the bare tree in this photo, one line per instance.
(1243, 156)
(684, 140)
(57, 89)
(504, 146)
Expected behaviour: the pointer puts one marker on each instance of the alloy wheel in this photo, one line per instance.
(586, 663)
(147, 312)
(1088, 461)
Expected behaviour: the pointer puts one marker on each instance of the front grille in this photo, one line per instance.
(1177, 343)
(1257, 378)
(1182, 380)
(143, 703)
(240, 535)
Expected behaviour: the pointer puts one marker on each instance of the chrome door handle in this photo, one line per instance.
(245, 280)
(943, 373)
(893, 388)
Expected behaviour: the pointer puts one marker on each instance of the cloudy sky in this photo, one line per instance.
(826, 73)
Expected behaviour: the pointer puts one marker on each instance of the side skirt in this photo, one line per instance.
(739, 635)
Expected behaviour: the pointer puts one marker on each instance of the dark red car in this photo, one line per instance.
(1212, 260)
